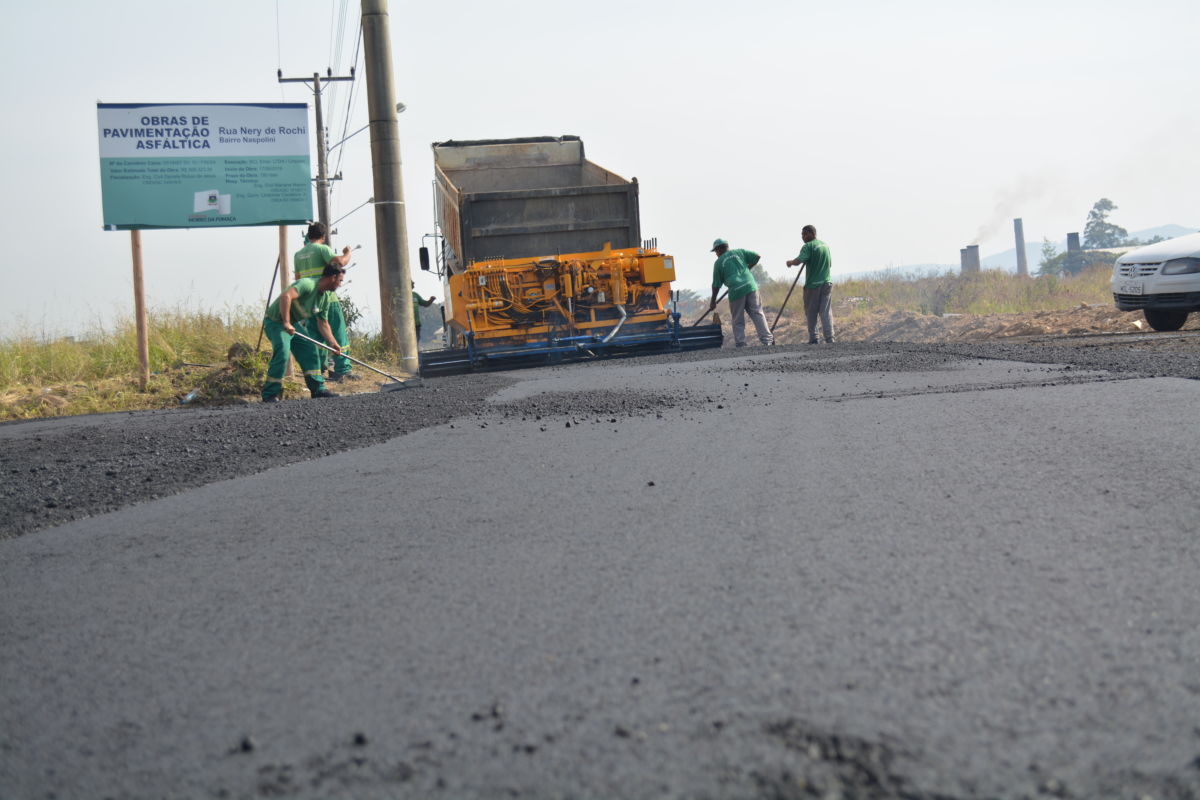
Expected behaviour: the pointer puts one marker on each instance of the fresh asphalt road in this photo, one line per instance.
(802, 574)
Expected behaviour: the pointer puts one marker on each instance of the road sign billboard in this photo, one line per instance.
(209, 165)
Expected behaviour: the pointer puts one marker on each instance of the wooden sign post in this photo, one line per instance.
(139, 309)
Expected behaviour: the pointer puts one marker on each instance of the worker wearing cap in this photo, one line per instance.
(309, 262)
(818, 288)
(306, 299)
(732, 269)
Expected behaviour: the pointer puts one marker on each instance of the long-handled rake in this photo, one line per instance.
(387, 387)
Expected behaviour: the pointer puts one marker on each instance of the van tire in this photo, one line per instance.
(1165, 320)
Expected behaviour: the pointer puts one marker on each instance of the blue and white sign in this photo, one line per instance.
(204, 166)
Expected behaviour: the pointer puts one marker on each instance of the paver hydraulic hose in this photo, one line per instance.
(620, 322)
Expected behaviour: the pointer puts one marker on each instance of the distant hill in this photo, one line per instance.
(1007, 260)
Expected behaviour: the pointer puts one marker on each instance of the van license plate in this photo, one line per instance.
(1133, 287)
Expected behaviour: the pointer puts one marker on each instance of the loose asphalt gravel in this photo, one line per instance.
(876, 571)
(64, 469)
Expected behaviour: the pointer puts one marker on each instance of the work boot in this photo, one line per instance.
(321, 393)
(338, 377)
(272, 399)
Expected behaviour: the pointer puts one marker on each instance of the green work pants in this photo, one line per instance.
(283, 347)
(337, 324)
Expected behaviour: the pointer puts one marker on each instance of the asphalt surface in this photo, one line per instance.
(885, 571)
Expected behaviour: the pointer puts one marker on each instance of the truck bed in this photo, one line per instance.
(518, 198)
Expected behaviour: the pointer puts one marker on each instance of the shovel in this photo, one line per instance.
(711, 309)
(387, 387)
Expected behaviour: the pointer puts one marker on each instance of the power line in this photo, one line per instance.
(340, 40)
(332, 15)
(322, 150)
(350, 101)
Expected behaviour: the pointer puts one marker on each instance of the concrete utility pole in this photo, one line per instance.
(1022, 261)
(322, 163)
(391, 231)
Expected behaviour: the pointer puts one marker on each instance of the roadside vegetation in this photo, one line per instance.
(986, 292)
(196, 357)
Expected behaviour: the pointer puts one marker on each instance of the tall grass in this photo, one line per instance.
(98, 371)
(987, 292)
(175, 337)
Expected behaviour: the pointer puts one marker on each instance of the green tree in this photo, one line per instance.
(760, 275)
(1052, 260)
(1099, 233)
(1142, 242)
(350, 311)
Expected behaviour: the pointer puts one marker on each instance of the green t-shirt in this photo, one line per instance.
(310, 302)
(418, 301)
(816, 255)
(732, 268)
(310, 261)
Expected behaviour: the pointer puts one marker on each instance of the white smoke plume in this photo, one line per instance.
(1009, 203)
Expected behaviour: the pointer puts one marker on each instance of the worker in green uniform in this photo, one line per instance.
(732, 269)
(309, 262)
(306, 299)
(419, 303)
(818, 288)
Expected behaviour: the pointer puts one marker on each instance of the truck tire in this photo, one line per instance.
(1165, 320)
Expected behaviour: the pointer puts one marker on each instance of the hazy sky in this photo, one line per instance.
(902, 131)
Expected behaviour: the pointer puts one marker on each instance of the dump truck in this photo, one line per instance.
(542, 259)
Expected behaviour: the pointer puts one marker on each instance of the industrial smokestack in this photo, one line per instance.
(1022, 262)
(964, 265)
(973, 257)
(1074, 253)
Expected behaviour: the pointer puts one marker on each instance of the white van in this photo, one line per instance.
(1161, 280)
